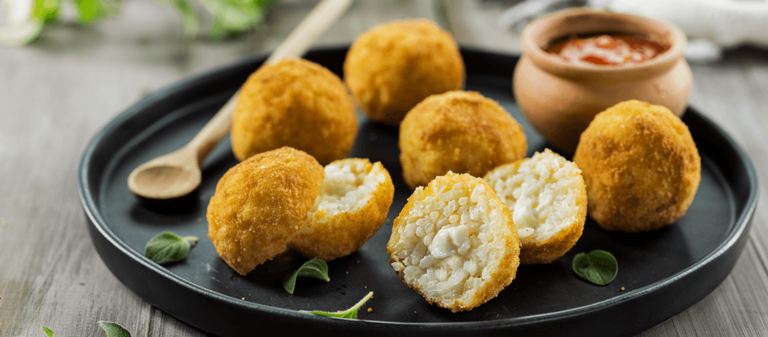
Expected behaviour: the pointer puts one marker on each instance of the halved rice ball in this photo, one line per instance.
(259, 205)
(549, 202)
(455, 243)
(353, 203)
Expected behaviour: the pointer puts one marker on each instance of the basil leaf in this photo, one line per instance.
(90, 11)
(114, 329)
(313, 268)
(188, 16)
(168, 247)
(46, 11)
(48, 331)
(349, 313)
(598, 267)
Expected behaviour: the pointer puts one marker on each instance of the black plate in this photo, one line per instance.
(663, 272)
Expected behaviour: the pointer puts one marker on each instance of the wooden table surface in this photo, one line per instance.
(56, 93)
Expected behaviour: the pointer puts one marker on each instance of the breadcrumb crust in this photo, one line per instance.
(641, 167)
(393, 66)
(259, 205)
(458, 131)
(295, 103)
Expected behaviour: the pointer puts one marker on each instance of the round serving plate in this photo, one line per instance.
(661, 273)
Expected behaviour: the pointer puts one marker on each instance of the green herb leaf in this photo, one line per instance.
(114, 329)
(598, 267)
(168, 247)
(46, 11)
(349, 313)
(188, 16)
(48, 331)
(90, 11)
(313, 268)
(231, 17)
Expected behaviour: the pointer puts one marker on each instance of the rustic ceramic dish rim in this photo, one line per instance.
(534, 36)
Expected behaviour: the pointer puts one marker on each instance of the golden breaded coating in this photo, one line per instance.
(352, 205)
(548, 198)
(641, 167)
(259, 205)
(394, 66)
(459, 131)
(294, 103)
(455, 243)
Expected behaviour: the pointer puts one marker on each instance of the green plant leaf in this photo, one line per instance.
(598, 267)
(168, 247)
(349, 313)
(114, 329)
(231, 17)
(313, 268)
(266, 3)
(48, 331)
(188, 16)
(90, 11)
(46, 11)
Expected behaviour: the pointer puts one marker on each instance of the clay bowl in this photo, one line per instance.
(560, 98)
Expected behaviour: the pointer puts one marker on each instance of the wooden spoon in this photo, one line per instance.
(177, 174)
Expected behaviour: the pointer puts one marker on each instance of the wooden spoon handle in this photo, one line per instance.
(300, 39)
(215, 130)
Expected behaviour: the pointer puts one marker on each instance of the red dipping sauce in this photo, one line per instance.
(606, 50)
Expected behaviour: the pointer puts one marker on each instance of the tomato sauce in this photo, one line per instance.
(606, 50)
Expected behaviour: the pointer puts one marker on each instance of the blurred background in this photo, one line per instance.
(711, 25)
(152, 43)
(163, 39)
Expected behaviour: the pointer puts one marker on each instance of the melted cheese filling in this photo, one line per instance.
(348, 185)
(542, 193)
(447, 248)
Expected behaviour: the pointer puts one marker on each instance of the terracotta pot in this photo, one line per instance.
(560, 99)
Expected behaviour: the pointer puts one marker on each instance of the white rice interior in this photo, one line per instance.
(542, 193)
(449, 246)
(348, 185)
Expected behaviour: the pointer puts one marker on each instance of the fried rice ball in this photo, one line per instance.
(259, 205)
(455, 243)
(353, 204)
(394, 66)
(294, 103)
(640, 165)
(459, 131)
(549, 202)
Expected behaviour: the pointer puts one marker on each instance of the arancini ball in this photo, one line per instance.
(394, 66)
(548, 200)
(295, 103)
(640, 165)
(353, 203)
(459, 131)
(455, 243)
(259, 205)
